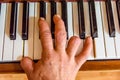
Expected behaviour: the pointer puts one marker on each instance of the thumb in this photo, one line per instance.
(27, 65)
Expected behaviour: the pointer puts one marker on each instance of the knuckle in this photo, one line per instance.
(45, 34)
(61, 33)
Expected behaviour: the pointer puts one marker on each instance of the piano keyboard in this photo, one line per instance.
(19, 32)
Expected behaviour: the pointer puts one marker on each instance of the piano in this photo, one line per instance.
(19, 33)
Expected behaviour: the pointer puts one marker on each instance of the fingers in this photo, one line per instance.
(27, 65)
(45, 35)
(87, 49)
(60, 33)
(73, 46)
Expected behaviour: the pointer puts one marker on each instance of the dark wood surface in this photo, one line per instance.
(88, 66)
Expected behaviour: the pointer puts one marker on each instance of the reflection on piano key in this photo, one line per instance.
(81, 19)
(87, 25)
(18, 43)
(37, 42)
(2, 28)
(28, 44)
(13, 20)
(8, 44)
(109, 41)
(65, 15)
(93, 23)
(99, 41)
(53, 12)
(118, 10)
(69, 19)
(25, 20)
(111, 25)
(117, 36)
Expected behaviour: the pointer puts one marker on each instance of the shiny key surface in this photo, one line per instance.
(28, 44)
(109, 41)
(69, 20)
(99, 45)
(81, 19)
(111, 24)
(13, 20)
(37, 43)
(2, 27)
(25, 25)
(93, 23)
(87, 25)
(18, 43)
(117, 28)
(8, 44)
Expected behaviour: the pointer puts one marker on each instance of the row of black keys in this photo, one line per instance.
(93, 23)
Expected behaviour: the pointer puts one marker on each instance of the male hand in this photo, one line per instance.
(58, 62)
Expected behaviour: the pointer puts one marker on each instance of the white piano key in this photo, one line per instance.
(75, 19)
(99, 41)
(117, 38)
(59, 8)
(2, 27)
(48, 13)
(37, 42)
(28, 44)
(8, 44)
(18, 43)
(76, 24)
(69, 16)
(109, 41)
(87, 25)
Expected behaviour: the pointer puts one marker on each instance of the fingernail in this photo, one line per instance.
(57, 16)
(42, 18)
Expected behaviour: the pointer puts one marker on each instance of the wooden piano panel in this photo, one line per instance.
(88, 66)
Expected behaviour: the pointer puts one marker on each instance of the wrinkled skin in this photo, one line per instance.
(58, 62)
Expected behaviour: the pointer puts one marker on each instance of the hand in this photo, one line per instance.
(57, 62)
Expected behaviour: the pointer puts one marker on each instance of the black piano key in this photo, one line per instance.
(81, 19)
(42, 9)
(111, 25)
(64, 15)
(93, 22)
(53, 12)
(118, 10)
(13, 21)
(25, 20)
(0, 8)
